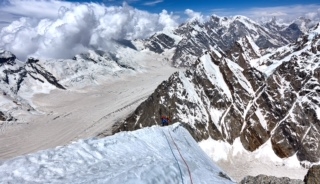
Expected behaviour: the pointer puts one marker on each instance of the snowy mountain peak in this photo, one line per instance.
(192, 39)
(241, 17)
(316, 29)
(21, 80)
(226, 98)
(303, 23)
(7, 57)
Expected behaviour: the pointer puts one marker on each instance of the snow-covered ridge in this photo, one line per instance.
(228, 98)
(21, 80)
(192, 39)
(127, 157)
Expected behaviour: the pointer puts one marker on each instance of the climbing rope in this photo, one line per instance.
(181, 157)
(174, 156)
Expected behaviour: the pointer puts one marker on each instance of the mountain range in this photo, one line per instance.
(246, 93)
(243, 80)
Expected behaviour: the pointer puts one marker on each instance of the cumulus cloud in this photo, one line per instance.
(192, 15)
(282, 13)
(74, 28)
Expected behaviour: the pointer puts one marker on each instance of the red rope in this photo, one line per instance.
(182, 157)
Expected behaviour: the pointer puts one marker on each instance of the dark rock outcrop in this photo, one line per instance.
(263, 179)
(2, 117)
(158, 42)
(7, 58)
(313, 175)
(38, 69)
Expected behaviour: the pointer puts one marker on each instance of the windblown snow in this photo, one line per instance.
(144, 156)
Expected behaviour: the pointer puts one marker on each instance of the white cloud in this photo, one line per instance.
(74, 28)
(169, 21)
(192, 15)
(34, 8)
(283, 13)
(152, 3)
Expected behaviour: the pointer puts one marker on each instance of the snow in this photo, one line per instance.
(282, 51)
(238, 162)
(83, 112)
(314, 32)
(127, 157)
(225, 22)
(216, 52)
(6, 104)
(172, 35)
(237, 71)
(261, 118)
(254, 46)
(5, 54)
(192, 96)
(214, 74)
(216, 114)
(318, 113)
(197, 28)
(246, 22)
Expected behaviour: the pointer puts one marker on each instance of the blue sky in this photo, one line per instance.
(204, 6)
(285, 9)
(258, 10)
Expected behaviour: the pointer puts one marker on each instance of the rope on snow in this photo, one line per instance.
(174, 156)
(181, 157)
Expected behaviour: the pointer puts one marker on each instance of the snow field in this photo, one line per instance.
(238, 162)
(143, 156)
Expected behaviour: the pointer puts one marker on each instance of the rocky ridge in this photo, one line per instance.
(274, 97)
(312, 177)
(263, 179)
(192, 39)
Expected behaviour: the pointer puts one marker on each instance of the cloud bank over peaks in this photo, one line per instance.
(283, 14)
(78, 27)
(192, 15)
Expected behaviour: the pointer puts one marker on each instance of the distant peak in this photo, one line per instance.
(216, 17)
(240, 17)
(316, 28)
(5, 53)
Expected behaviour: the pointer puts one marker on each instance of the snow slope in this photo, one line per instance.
(144, 156)
(238, 162)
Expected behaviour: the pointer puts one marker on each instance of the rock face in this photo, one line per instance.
(313, 175)
(37, 69)
(2, 117)
(158, 42)
(263, 179)
(192, 39)
(241, 94)
(289, 32)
